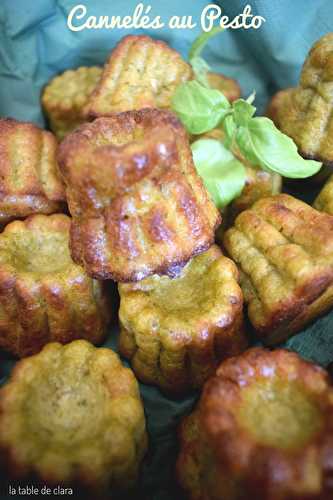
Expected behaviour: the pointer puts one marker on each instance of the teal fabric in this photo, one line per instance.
(35, 45)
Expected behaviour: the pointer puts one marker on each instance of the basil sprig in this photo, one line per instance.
(201, 109)
(199, 65)
(255, 139)
(223, 175)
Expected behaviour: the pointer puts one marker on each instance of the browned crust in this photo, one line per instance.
(37, 307)
(274, 105)
(104, 370)
(176, 71)
(31, 182)
(272, 233)
(81, 146)
(142, 159)
(64, 97)
(190, 344)
(258, 184)
(230, 87)
(324, 200)
(306, 112)
(57, 105)
(263, 472)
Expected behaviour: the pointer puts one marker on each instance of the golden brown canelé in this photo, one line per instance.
(324, 200)
(258, 184)
(137, 203)
(73, 415)
(228, 86)
(284, 249)
(65, 96)
(30, 179)
(277, 101)
(44, 295)
(305, 113)
(141, 73)
(176, 331)
(263, 429)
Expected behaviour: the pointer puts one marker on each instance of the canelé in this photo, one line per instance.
(305, 112)
(263, 429)
(72, 415)
(324, 200)
(30, 179)
(65, 97)
(284, 249)
(175, 331)
(137, 203)
(228, 86)
(141, 72)
(44, 295)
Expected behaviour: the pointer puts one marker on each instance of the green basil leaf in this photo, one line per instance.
(223, 175)
(200, 109)
(251, 97)
(200, 69)
(263, 144)
(230, 128)
(243, 111)
(200, 42)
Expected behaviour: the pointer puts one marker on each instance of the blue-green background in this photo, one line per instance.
(35, 44)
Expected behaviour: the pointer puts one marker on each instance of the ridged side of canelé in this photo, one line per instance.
(65, 96)
(284, 249)
(306, 113)
(176, 331)
(44, 295)
(137, 203)
(324, 200)
(72, 416)
(221, 459)
(30, 180)
(140, 73)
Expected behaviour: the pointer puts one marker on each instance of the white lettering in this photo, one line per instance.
(78, 19)
(139, 19)
(245, 20)
(209, 14)
(181, 22)
(71, 15)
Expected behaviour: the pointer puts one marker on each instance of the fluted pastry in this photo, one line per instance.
(284, 249)
(175, 331)
(44, 296)
(72, 415)
(30, 180)
(137, 203)
(141, 73)
(65, 97)
(305, 112)
(262, 429)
